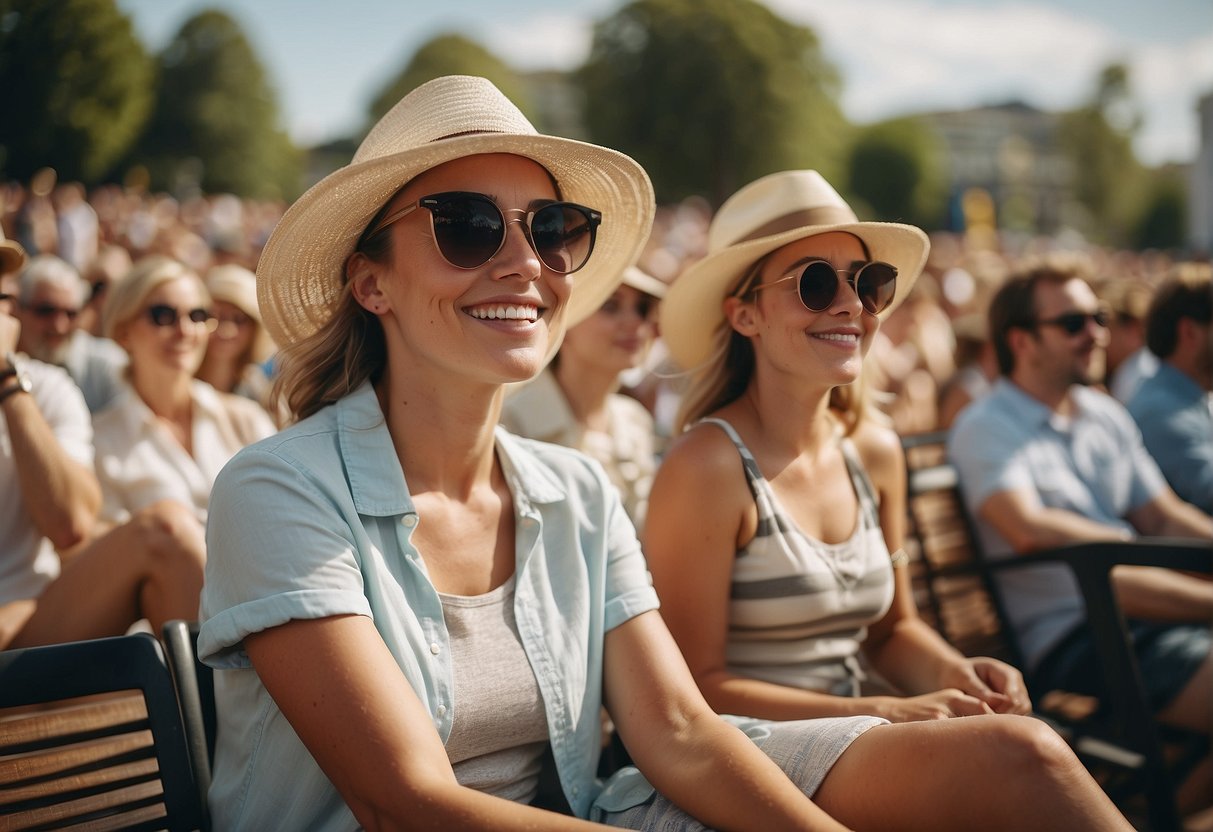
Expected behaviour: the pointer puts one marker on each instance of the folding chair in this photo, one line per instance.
(91, 738)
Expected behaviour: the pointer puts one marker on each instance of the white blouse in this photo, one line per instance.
(140, 462)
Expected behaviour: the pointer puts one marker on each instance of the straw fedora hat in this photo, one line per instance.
(301, 271)
(238, 286)
(12, 255)
(764, 215)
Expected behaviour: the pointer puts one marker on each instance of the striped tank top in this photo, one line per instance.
(799, 608)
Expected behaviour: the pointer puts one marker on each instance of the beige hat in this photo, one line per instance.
(238, 286)
(12, 255)
(765, 215)
(644, 282)
(301, 271)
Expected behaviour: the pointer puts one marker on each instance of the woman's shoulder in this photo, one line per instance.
(704, 449)
(879, 448)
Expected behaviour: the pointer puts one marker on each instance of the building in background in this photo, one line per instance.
(1200, 182)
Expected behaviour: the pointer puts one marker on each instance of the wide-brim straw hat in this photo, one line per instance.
(761, 217)
(301, 271)
(12, 255)
(642, 281)
(238, 286)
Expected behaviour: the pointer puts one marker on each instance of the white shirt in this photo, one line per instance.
(27, 559)
(139, 462)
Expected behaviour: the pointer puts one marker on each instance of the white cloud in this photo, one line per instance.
(543, 41)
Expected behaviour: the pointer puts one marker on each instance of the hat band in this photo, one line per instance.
(826, 215)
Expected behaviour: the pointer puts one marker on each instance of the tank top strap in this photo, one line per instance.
(759, 487)
(869, 503)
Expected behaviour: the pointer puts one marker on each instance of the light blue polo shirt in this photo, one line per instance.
(1092, 463)
(316, 521)
(1176, 420)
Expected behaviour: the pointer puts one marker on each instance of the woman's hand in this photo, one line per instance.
(996, 683)
(941, 704)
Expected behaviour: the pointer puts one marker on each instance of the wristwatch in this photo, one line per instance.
(13, 369)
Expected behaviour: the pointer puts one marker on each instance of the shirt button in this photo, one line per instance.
(440, 710)
(409, 520)
(435, 649)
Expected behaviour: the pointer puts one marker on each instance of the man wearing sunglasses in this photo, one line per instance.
(52, 294)
(1046, 460)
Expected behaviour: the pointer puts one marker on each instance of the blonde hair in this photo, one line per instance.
(124, 300)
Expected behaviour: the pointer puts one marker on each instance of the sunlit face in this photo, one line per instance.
(494, 323)
(828, 345)
(173, 348)
(1055, 356)
(48, 321)
(617, 336)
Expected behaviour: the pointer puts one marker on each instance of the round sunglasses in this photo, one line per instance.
(469, 229)
(875, 283)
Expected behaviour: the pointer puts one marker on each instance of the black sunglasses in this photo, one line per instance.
(875, 283)
(469, 229)
(1073, 323)
(163, 315)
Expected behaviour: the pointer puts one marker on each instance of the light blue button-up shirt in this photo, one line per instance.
(1092, 463)
(1176, 420)
(317, 521)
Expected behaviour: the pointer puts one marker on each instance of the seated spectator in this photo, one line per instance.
(167, 434)
(976, 367)
(773, 517)
(59, 579)
(1173, 407)
(1046, 460)
(52, 296)
(576, 403)
(240, 346)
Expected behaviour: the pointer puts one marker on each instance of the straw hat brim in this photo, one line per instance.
(644, 282)
(693, 309)
(12, 255)
(301, 271)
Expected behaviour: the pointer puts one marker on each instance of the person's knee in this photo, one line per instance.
(1030, 743)
(171, 536)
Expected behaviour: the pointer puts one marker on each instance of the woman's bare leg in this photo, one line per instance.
(150, 567)
(982, 772)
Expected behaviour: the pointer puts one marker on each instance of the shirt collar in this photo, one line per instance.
(377, 481)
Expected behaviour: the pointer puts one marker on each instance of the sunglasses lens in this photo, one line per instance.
(199, 316)
(469, 230)
(1101, 319)
(161, 315)
(563, 236)
(818, 285)
(876, 283)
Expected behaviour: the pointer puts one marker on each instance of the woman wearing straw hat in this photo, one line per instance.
(771, 571)
(577, 403)
(240, 345)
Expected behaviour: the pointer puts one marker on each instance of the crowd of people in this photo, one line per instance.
(488, 500)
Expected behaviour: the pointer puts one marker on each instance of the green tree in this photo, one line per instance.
(711, 94)
(215, 123)
(1098, 140)
(1164, 214)
(75, 87)
(449, 54)
(894, 170)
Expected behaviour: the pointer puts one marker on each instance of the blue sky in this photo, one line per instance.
(328, 59)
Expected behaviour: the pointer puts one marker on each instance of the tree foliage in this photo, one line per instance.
(75, 87)
(215, 123)
(711, 94)
(1098, 140)
(449, 54)
(894, 170)
(1164, 214)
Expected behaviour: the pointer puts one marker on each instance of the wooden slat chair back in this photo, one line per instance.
(956, 591)
(91, 738)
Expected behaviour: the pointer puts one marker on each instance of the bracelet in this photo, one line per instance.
(899, 558)
(8, 392)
